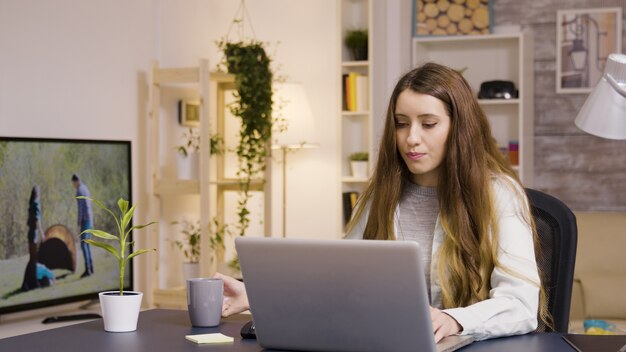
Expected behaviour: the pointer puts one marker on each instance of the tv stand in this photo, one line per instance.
(71, 317)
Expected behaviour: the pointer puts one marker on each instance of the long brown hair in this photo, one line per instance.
(466, 203)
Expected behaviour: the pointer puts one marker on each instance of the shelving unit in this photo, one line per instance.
(355, 127)
(507, 57)
(211, 184)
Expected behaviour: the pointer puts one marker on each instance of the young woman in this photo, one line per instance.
(440, 180)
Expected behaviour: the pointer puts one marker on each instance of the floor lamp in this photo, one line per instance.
(604, 111)
(299, 129)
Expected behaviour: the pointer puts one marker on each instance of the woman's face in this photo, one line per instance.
(422, 125)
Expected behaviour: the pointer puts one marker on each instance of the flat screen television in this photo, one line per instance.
(45, 167)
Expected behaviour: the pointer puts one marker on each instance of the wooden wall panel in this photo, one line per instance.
(586, 172)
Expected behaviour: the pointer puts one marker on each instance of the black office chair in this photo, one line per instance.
(556, 255)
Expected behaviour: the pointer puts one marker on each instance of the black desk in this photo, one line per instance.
(165, 330)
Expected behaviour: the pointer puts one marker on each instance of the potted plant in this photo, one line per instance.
(190, 244)
(358, 164)
(187, 156)
(356, 42)
(120, 309)
(188, 153)
(249, 63)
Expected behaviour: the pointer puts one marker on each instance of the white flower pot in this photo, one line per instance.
(120, 313)
(188, 167)
(191, 270)
(359, 169)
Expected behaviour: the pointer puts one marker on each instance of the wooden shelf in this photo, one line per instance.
(355, 113)
(498, 101)
(466, 38)
(355, 64)
(350, 179)
(188, 75)
(209, 87)
(187, 187)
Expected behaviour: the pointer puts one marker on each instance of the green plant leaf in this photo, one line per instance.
(123, 205)
(138, 252)
(127, 217)
(138, 227)
(101, 234)
(105, 246)
(99, 204)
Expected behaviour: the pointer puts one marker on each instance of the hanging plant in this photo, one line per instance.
(250, 65)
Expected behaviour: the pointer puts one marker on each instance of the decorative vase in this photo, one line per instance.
(191, 270)
(359, 169)
(187, 167)
(120, 313)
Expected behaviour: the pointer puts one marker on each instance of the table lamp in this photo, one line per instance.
(300, 132)
(604, 111)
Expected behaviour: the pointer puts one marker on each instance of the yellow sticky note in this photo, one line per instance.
(210, 338)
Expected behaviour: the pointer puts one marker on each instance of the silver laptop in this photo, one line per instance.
(339, 295)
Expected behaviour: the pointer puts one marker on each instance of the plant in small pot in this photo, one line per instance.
(359, 164)
(190, 244)
(356, 42)
(120, 309)
(188, 153)
(188, 156)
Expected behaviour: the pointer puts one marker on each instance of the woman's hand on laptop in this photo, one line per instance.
(235, 296)
(443, 324)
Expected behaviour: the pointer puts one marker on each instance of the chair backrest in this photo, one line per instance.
(556, 254)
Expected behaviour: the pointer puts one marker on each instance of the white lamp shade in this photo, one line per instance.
(294, 108)
(604, 112)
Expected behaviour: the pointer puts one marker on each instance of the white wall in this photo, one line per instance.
(77, 69)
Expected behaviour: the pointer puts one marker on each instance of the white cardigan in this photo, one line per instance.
(513, 301)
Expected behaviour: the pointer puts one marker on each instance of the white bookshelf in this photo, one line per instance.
(355, 127)
(507, 57)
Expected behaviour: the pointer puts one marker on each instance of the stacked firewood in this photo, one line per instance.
(452, 17)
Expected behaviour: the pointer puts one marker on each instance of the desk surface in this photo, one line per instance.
(165, 330)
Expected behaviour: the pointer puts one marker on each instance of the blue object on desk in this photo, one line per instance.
(598, 327)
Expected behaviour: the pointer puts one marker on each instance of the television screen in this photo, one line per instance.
(42, 258)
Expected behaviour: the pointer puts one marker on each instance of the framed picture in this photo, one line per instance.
(585, 38)
(189, 113)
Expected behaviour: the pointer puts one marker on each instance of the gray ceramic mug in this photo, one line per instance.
(204, 301)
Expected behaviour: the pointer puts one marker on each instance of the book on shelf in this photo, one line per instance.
(349, 202)
(344, 92)
(355, 92)
(362, 103)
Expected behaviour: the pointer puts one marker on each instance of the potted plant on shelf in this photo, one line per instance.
(187, 156)
(188, 153)
(190, 244)
(120, 309)
(358, 164)
(356, 42)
